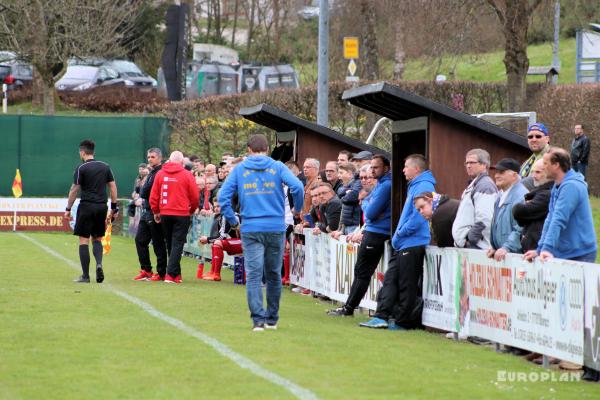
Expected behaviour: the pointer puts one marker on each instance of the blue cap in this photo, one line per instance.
(538, 126)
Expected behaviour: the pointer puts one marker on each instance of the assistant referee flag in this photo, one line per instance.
(17, 186)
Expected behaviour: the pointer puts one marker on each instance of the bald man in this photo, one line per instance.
(173, 199)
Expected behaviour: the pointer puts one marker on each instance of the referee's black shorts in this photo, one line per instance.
(90, 220)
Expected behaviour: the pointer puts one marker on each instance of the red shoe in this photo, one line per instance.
(156, 278)
(209, 276)
(305, 292)
(170, 279)
(143, 276)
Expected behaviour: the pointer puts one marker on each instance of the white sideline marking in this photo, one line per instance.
(224, 350)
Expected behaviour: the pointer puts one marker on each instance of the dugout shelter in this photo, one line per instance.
(310, 140)
(440, 133)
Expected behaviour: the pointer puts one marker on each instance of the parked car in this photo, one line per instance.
(16, 74)
(128, 71)
(86, 77)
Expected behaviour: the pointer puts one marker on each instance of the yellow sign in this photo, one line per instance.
(350, 47)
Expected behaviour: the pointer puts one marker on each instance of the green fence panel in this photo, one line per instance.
(45, 148)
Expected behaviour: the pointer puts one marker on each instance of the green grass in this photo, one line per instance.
(60, 340)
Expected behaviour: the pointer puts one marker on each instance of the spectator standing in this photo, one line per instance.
(311, 171)
(440, 210)
(538, 140)
(361, 158)
(174, 197)
(148, 230)
(568, 230)
(580, 150)
(378, 215)
(210, 170)
(332, 175)
(472, 226)
(399, 294)
(259, 181)
(344, 156)
(532, 213)
(330, 208)
(506, 233)
(284, 151)
(348, 194)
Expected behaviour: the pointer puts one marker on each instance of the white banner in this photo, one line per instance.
(547, 302)
(440, 294)
(32, 204)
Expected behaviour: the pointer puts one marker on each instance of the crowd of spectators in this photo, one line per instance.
(538, 208)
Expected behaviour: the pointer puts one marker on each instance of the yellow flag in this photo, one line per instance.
(17, 186)
(106, 239)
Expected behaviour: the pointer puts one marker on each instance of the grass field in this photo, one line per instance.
(60, 340)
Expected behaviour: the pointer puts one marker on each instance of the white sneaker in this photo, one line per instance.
(271, 327)
(297, 289)
(258, 327)
(461, 336)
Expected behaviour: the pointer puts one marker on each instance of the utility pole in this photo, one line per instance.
(555, 59)
(323, 65)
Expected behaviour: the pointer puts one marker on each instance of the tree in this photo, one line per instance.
(371, 53)
(47, 33)
(514, 17)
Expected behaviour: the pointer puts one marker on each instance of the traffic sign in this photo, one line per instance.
(350, 48)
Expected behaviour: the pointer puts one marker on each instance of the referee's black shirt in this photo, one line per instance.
(93, 176)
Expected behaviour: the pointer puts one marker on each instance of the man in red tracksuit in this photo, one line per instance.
(173, 199)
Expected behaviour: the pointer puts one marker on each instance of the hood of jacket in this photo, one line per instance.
(172, 167)
(258, 162)
(572, 177)
(425, 176)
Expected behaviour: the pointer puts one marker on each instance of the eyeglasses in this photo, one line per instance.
(534, 136)
(362, 178)
(471, 162)
(309, 166)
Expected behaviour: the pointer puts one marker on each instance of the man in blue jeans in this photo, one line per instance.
(258, 181)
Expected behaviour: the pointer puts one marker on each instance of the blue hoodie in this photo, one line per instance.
(378, 213)
(569, 228)
(413, 229)
(258, 181)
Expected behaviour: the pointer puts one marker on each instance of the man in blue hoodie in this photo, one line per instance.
(568, 231)
(398, 296)
(378, 221)
(259, 181)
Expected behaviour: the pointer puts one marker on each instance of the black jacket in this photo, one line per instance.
(331, 213)
(532, 214)
(442, 220)
(348, 194)
(146, 188)
(580, 150)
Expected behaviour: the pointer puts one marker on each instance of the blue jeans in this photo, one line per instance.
(263, 251)
(589, 257)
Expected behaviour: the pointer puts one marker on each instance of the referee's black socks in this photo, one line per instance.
(84, 257)
(97, 250)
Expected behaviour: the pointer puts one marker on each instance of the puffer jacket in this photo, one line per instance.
(348, 195)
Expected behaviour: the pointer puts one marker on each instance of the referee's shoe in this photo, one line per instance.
(99, 273)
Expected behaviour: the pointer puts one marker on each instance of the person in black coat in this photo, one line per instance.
(330, 208)
(532, 214)
(441, 211)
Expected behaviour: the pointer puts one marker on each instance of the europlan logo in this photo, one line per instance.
(538, 376)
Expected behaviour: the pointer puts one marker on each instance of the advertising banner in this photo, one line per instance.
(591, 325)
(33, 214)
(440, 284)
(490, 286)
(547, 303)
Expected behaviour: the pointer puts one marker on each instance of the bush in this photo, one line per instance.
(113, 99)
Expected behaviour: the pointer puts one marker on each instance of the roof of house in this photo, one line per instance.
(281, 121)
(397, 104)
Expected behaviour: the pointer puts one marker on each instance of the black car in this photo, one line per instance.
(86, 77)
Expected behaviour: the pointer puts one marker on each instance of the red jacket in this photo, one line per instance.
(174, 191)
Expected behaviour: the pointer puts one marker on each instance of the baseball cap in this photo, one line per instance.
(508, 164)
(363, 155)
(538, 126)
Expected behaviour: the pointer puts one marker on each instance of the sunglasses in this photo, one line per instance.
(535, 136)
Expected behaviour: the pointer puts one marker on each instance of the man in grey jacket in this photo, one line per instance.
(472, 226)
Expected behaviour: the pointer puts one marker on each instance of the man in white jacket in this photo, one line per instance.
(472, 226)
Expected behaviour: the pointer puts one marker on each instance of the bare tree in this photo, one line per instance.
(514, 17)
(371, 53)
(47, 33)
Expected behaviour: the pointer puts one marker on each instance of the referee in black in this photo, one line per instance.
(92, 177)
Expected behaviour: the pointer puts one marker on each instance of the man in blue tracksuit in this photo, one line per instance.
(568, 231)
(258, 181)
(378, 219)
(398, 296)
